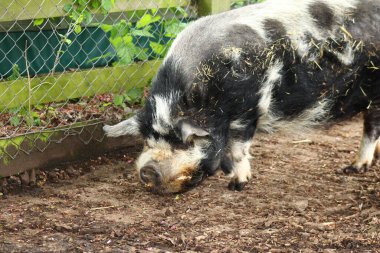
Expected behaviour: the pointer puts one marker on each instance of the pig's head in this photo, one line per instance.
(178, 154)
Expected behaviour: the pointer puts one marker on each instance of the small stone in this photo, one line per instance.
(169, 211)
(63, 227)
(201, 237)
(3, 184)
(182, 239)
(301, 205)
(24, 177)
(53, 176)
(244, 232)
(14, 180)
(117, 233)
(72, 172)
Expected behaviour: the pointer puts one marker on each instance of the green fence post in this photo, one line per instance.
(207, 7)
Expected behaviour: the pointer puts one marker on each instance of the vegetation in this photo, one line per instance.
(125, 36)
(240, 3)
(147, 38)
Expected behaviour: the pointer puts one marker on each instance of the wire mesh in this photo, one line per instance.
(68, 64)
(65, 64)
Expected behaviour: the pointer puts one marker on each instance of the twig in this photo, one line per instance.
(105, 207)
(302, 141)
(62, 42)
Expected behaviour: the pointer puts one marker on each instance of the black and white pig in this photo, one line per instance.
(278, 65)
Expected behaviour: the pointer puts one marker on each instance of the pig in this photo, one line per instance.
(275, 66)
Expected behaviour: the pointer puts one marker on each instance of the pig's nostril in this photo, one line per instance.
(149, 174)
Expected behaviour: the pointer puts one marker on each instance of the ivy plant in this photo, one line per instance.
(124, 36)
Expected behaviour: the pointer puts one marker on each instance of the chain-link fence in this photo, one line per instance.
(67, 66)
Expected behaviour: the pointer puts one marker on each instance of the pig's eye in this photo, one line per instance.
(181, 146)
(190, 142)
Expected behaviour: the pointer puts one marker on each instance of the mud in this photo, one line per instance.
(296, 202)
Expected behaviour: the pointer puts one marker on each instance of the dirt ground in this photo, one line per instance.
(296, 202)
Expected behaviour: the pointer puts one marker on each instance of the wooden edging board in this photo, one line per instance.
(59, 147)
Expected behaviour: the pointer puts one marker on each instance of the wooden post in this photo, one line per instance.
(208, 7)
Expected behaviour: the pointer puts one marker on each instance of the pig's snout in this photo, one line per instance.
(150, 176)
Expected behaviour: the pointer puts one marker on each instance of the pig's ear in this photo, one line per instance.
(129, 126)
(189, 131)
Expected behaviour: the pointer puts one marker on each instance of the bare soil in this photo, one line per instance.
(63, 114)
(296, 202)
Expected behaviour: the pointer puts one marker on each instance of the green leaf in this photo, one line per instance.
(14, 120)
(79, 19)
(118, 100)
(134, 95)
(67, 41)
(38, 21)
(142, 33)
(120, 29)
(75, 15)
(156, 18)
(147, 19)
(23, 111)
(116, 42)
(144, 21)
(143, 55)
(133, 48)
(77, 29)
(127, 39)
(173, 28)
(125, 55)
(87, 17)
(35, 114)
(157, 48)
(15, 73)
(29, 120)
(182, 11)
(82, 2)
(95, 4)
(37, 121)
(39, 107)
(14, 110)
(106, 28)
(68, 8)
(104, 56)
(107, 4)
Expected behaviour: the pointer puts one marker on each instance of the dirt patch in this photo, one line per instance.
(296, 202)
(104, 107)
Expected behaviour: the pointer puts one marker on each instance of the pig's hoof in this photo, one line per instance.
(234, 185)
(352, 169)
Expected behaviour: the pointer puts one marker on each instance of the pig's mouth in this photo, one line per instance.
(196, 179)
(177, 185)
